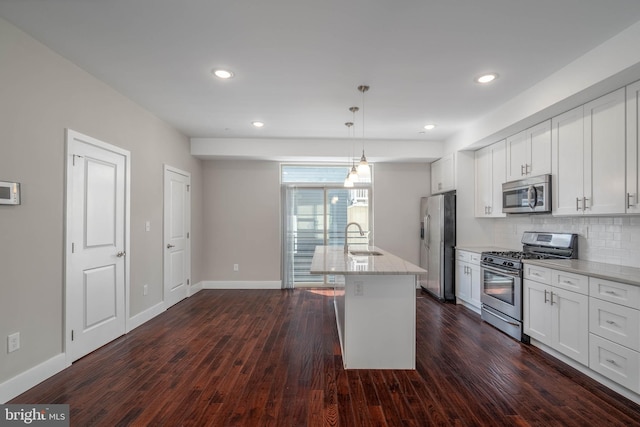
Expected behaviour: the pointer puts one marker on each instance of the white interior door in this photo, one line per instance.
(96, 243)
(177, 251)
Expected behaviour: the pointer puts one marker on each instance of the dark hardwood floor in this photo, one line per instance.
(272, 358)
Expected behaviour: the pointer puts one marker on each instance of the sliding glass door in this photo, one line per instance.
(318, 216)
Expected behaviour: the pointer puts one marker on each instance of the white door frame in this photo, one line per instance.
(168, 168)
(70, 136)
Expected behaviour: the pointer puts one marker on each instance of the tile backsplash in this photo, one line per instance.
(612, 240)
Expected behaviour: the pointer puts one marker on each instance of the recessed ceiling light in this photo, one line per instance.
(222, 74)
(486, 78)
(429, 126)
(257, 124)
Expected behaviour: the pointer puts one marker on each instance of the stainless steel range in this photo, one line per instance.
(501, 276)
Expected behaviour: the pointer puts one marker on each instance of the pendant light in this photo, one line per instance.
(363, 166)
(348, 182)
(353, 175)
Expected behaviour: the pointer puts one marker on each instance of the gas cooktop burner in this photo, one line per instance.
(517, 255)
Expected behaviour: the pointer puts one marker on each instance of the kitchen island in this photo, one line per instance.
(375, 305)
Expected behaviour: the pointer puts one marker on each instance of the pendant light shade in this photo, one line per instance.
(363, 166)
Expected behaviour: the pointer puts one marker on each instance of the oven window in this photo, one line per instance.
(498, 286)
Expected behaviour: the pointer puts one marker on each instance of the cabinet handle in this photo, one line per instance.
(611, 322)
(546, 300)
(577, 202)
(535, 274)
(613, 362)
(584, 203)
(611, 293)
(551, 297)
(522, 170)
(490, 209)
(567, 282)
(629, 197)
(526, 168)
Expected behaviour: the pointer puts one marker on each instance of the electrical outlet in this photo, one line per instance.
(147, 226)
(145, 289)
(236, 267)
(13, 342)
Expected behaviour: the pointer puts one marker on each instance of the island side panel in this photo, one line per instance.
(379, 322)
(338, 303)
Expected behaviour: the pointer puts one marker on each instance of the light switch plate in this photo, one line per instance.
(13, 342)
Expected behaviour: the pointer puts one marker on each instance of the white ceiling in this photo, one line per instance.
(297, 63)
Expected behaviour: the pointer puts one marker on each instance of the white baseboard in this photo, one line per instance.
(237, 284)
(32, 377)
(194, 289)
(141, 318)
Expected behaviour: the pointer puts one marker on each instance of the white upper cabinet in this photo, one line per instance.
(633, 148)
(529, 152)
(443, 174)
(490, 165)
(588, 157)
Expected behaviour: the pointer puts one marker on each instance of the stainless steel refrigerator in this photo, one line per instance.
(437, 245)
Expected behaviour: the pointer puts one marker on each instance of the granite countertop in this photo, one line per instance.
(333, 260)
(480, 249)
(618, 273)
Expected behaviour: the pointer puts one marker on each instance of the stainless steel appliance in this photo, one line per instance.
(501, 276)
(530, 195)
(437, 243)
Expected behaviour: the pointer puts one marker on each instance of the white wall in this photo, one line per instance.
(41, 95)
(397, 190)
(241, 203)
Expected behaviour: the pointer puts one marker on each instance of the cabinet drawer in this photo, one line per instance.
(475, 258)
(615, 362)
(463, 255)
(615, 322)
(619, 293)
(538, 274)
(571, 282)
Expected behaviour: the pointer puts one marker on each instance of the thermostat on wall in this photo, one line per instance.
(9, 193)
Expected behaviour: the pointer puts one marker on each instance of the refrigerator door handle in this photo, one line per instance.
(427, 236)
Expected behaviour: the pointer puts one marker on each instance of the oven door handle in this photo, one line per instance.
(498, 271)
(502, 318)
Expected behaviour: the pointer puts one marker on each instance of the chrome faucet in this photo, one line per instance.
(346, 236)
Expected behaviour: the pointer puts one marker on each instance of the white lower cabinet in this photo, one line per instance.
(468, 279)
(594, 321)
(558, 318)
(614, 326)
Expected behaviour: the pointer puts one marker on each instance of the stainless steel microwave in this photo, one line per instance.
(9, 193)
(530, 195)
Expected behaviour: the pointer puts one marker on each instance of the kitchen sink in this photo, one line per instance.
(365, 253)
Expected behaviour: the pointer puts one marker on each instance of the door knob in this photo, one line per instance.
(169, 246)
(121, 254)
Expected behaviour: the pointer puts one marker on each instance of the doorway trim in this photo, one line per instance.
(71, 135)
